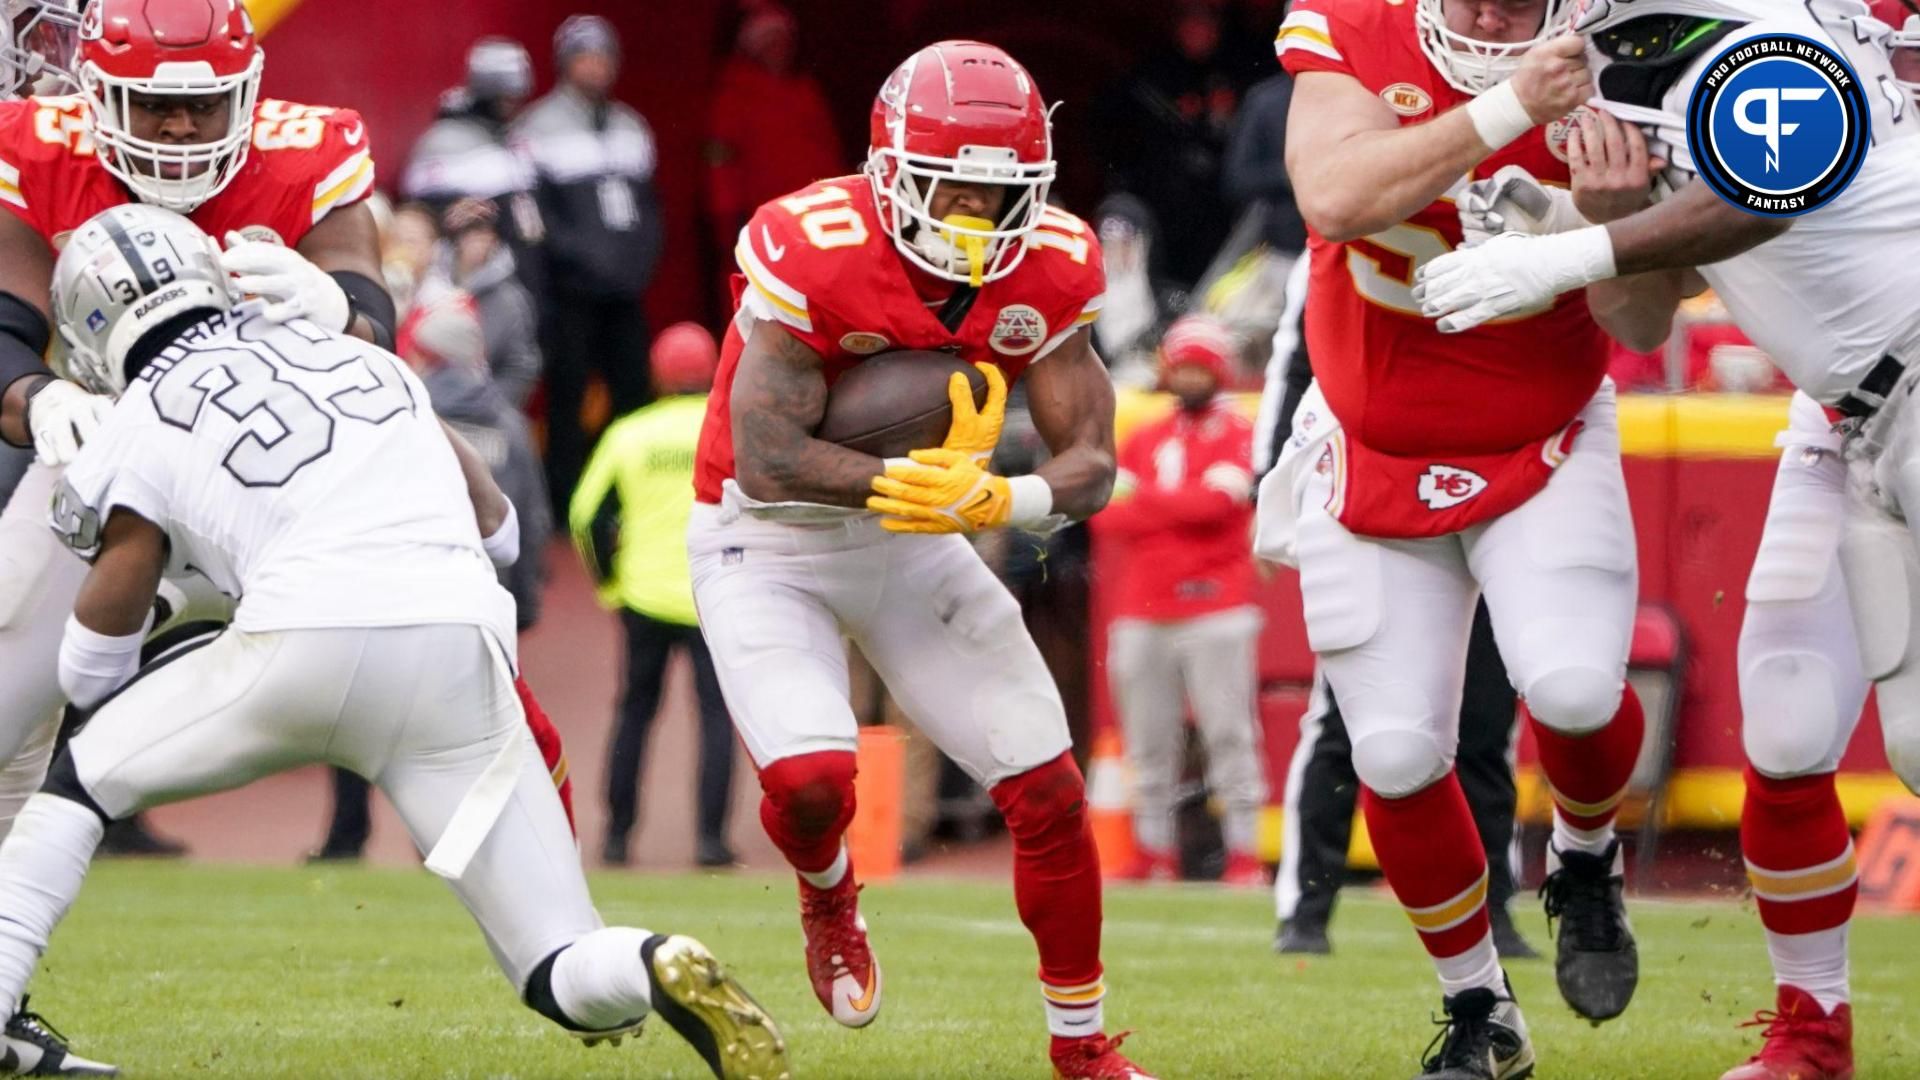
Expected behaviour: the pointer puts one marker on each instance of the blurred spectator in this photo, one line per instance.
(1166, 132)
(595, 159)
(442, 341)
(464, 154)
(1186, 624)
(408, 238)
(754, 152)
(1138, 298)
(473, 260)
(629, 522)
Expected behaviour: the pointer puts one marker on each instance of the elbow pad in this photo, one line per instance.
(368, 297)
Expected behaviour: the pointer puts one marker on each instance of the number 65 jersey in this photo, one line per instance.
(1392, 379)
(304, 162)
(303, 472)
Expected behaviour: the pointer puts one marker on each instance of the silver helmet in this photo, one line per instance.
(123, 273)
(37, 39)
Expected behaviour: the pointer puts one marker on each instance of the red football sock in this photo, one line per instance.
(547, 738)
(1431, 854)
(806, 804)
(1588, 774)
(1056, 886)
(1799, 853)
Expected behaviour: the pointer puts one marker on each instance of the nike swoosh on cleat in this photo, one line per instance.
(865, 1000)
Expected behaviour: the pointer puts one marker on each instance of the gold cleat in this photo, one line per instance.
(693, 993)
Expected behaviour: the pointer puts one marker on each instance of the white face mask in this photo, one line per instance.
(179, 177)
(1469, 64)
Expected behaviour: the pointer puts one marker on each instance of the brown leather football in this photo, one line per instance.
(895, 402)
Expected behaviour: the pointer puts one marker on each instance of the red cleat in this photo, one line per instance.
(1151, 865)
(1094, 1057)
(1244, 871)
(845, 977)
(1802, 1042)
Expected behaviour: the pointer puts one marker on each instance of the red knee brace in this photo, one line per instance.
(807, 803)
(547, 737)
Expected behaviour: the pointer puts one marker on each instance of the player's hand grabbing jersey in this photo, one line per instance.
(818, 264)
(306, 161)
(1396, 383)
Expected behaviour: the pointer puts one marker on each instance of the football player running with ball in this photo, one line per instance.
(370, 634)
(945, 243)
(1830, 296)
(1425, 470)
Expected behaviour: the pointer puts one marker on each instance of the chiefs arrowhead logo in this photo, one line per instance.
(1443, 487)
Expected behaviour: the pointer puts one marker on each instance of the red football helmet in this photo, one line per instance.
(177, 48)
(37, 38)
(968, 112)
(1904, 45)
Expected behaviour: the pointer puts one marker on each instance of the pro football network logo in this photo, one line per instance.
(1443, 487)
(1779, 125)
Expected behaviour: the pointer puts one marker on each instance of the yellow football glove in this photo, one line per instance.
(943, 491)
(975, 432)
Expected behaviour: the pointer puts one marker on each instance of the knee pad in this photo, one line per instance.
(811, 794)
(1792, 722)
(1574, 700)
(1042, 798)
(1397, 762)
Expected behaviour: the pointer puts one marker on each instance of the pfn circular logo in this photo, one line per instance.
(1779, 125)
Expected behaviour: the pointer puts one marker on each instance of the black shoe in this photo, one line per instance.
(613, 850)
(713, 853)
(333, 853)
(1302, 937)
(1506, 936)
(31, 1047)
(1596, 961)
(1483, 1038)
(714, 1013)
(129, 837)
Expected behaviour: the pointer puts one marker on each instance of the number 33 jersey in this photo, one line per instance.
(303, 472)
(305, 162)
(818, 265)
(1394, 381)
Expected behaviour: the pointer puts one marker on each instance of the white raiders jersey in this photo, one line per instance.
(1836, 292)
(303, 472)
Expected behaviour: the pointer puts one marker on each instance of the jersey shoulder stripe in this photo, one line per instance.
(10, 186)
(1306, 31)
(787, 303)
(345, 185)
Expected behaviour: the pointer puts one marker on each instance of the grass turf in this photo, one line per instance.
(177, 970)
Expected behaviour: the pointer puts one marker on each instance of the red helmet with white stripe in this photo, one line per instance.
(960, 111)
(169, 48)
(1904, 45)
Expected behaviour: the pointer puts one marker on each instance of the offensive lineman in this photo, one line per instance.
(370, 633)
(283, 183)
(1425, 470)
(945, 243)
(1830, 297)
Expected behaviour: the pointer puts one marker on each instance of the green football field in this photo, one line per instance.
(177, 970)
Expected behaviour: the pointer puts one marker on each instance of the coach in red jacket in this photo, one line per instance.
(1187, 622)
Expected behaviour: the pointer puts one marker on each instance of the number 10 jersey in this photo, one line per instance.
(304, 472)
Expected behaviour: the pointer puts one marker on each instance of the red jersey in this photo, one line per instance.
(818, 264)
(1394, 381)
(1183, 508)
(306, 161)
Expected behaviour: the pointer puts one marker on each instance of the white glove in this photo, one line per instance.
(1510, 275)
(1511, 200)
(62, 417)
(293, 287)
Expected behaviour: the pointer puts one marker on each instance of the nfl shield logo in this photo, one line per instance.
(96, 322)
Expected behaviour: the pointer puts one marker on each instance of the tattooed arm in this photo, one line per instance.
(779, 396)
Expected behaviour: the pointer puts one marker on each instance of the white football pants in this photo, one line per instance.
(421, 711)
(1389, 619)
(1156, 669)
(776, 600)
(39, 579)
(1801, 683)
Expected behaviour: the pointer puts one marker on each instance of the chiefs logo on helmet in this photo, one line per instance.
(1443, 487)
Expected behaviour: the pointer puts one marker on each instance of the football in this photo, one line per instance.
(896, 402)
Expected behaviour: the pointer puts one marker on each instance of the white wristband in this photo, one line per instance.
(503, 547)
(1583, 257)
(1032, 500)
(94, 665)
(1498, 117)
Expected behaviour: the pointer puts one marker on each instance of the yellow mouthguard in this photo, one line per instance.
(974, 246)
